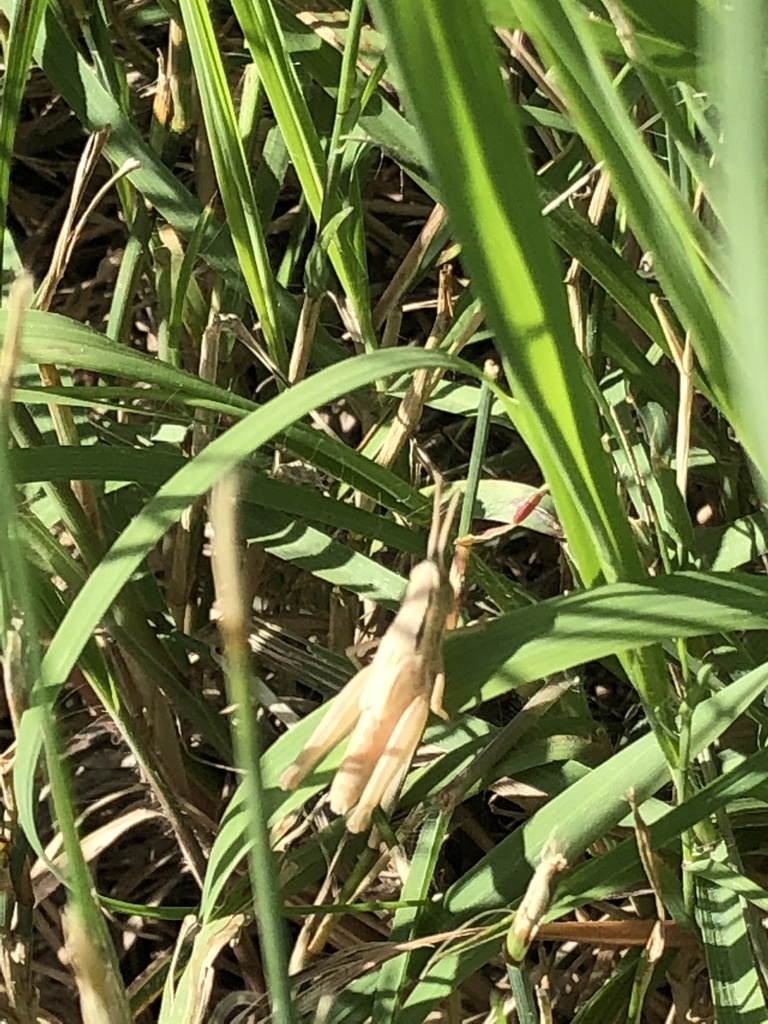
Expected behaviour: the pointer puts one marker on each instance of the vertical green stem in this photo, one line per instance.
(247, 748)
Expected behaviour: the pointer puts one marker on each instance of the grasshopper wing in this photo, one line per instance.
(387, 777)
(372, 735)
(339, 721)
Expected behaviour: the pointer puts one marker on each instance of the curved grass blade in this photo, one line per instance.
(164, 509)
(519, 648)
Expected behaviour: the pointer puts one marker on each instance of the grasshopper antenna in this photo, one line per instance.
(433, 543)
(441, 526)
(445, 529)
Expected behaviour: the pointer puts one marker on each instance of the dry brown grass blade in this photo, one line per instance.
(535, 903)
(93, 845)
(71, 229)
(412, 405)
(63, 418)
(597, 206)
(517, 42)
(190, 1000)
(305, 334)
(315, 930)
(616, 934)
(335, 929)
(14, 683)
(18, 303)
(182, 546)
(16, 948)
(16, 945)
(408, 269)
(333, 974)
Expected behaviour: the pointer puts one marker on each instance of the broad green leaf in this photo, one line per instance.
(443, 49)
(736, 988)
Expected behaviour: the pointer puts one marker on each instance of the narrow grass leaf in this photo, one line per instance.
(264, 38)
(737, 38)
(26, 20)
(393, 976)
(574, 819)
(444, 49)
(163, 510)
(476, 143)
(233, 174)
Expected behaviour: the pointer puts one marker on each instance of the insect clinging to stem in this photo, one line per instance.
(386, 704)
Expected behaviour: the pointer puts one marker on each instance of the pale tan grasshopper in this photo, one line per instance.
(386, 704)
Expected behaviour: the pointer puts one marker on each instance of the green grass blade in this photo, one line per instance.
(443, 49)
(264, 37)
(26, 20)
(394, 974)
(166, 507)
(736, 988)
(501, 877)
(597, 878)
(657, 211)
(233, 174)
(737, 39)
(522, 647)
(85, 933)
(487, 184)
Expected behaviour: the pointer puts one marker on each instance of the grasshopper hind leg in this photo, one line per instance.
(392, 766)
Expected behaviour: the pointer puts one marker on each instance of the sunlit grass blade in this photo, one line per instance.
(233, 175)
(500, 878)
(394, 974)
(194, 479)
(265, 40)
(26, 20)
(658, 212)
(488, 187)
(522, 647)
(736, 988)
(737, 38)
